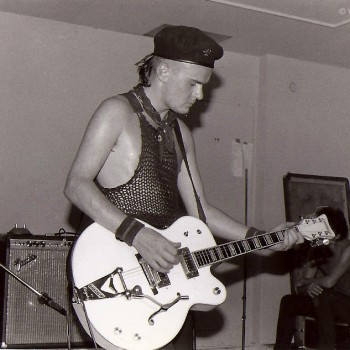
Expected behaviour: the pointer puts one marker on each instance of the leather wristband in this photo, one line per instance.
(128, 230)
(252, 231)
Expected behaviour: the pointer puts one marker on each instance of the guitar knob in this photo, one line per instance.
(217, 291)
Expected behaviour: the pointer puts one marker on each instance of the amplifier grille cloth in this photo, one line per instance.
(27, 321)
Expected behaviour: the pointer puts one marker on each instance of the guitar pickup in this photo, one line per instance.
(187, 263)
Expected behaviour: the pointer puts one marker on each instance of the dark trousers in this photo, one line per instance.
(331, 306)
(291, 305)
(328, 307)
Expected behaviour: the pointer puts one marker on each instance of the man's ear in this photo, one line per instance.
(163, 71)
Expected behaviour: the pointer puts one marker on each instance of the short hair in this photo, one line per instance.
(145, 68)
(336, 220)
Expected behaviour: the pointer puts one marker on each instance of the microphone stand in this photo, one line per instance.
(43, 297)
(244, 296)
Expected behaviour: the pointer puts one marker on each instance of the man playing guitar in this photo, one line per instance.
(129, 166)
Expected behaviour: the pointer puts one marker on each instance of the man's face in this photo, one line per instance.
(185, 85)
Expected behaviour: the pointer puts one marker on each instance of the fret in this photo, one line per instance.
(206, 257)
(226, 251)
(251, 243)
(199, 258)
(222, 252)
(233, 249)
(218, 252)
(276, 238)
(262, 240)
(240, 247)
(280, 235)
(257, 242)
(246, 246)
(268, 239)
(215, 254)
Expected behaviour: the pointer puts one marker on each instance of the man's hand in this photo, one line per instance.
(158, 251)
(291, 237)
(314, 290)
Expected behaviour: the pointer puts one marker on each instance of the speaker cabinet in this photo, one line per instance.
(40, 262)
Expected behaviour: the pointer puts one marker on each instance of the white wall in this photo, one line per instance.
(53, 77)
(230, 114)
(303, 131)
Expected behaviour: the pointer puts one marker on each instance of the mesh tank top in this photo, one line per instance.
(151, 195)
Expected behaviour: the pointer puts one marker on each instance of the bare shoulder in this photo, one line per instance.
(113, 109)
(112, 118)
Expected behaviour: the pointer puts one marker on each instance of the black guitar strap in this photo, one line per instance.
(177, 130)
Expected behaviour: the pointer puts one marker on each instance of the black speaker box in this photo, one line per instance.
(40, 263)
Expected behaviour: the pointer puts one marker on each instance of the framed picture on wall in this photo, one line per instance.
(303, 194)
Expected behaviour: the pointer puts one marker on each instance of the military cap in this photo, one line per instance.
(187, 44)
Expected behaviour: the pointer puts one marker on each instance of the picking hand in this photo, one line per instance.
(158, 251)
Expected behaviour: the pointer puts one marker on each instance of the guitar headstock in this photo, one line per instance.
(317, 230)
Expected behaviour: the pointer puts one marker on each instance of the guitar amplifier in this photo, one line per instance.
(40, 264)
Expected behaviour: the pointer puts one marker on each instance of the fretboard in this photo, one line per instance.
(232, 249)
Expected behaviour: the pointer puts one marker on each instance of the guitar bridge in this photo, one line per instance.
(155, 279)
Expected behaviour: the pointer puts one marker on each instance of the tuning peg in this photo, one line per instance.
(319, 242)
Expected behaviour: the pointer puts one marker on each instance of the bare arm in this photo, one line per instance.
(313, 286)
(332, 278)
(220, 223)
(104, 128)
(109, 125)
(303, 283)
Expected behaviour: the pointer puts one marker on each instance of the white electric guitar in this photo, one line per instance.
(123, 303)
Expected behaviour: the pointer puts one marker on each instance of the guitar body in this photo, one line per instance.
(120, 322)
(125, 304)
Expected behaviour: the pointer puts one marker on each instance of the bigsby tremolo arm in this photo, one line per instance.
(136, 293)
(165, 307)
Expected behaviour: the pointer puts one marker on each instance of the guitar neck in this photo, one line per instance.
(226, 251)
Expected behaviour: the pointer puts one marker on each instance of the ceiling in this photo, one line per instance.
(311, 30)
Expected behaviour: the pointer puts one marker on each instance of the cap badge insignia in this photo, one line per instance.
(206, 52)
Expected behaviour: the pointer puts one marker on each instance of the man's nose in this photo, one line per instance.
(199, 92)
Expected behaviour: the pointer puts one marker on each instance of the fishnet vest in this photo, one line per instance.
(151, 195)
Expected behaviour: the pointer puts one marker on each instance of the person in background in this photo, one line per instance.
(323, 289)
(130, 167)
